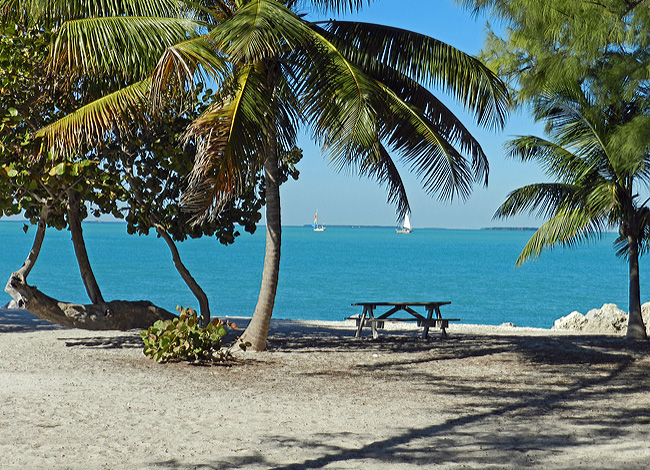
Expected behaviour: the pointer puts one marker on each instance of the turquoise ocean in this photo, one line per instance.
(322, 273)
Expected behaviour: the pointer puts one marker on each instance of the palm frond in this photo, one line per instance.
(572, 120)
(565, 228)
(230, 137)
(110, 115)
(644, 237)
(337, 103)
(56, 12)
(447, 124)
(442, 169)
(541, 199)
(426, 61)
(555, 160)
(287, 109)
(336, 6)
(260, 29)
(129, 46)
(185, 63)
(380, 166)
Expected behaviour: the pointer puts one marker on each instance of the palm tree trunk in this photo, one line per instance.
(258, 329)
(86, 271)
(204, 305)
(635, 327)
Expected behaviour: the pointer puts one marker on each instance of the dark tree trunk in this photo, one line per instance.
(27, 266)
(204, 305)
(635, 327)
(115, 315)
(74, 223)
(258, 329)
(20, 276)
(201, 297)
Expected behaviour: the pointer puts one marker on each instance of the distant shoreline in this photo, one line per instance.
(512, 229)
(118, 221)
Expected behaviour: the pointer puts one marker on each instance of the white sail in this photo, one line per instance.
(406, 225)
(407, 222)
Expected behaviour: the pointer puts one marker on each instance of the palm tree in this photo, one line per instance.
(599, 156)
(359, 88)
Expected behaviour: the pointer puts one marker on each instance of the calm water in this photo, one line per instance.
(322, 273)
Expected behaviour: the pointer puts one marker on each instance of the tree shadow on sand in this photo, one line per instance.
(130, 340)
(21, 321)
(497, 427)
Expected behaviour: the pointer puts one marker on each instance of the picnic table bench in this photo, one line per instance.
(426, 322)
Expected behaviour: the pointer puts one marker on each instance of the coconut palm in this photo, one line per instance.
(599, 156)
(360, 89)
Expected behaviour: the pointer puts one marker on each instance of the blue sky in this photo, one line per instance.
(342, 198)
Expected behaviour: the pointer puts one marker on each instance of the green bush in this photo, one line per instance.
(183, 339)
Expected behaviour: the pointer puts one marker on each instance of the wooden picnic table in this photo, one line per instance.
(368, 316)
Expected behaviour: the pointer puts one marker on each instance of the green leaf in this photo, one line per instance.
(58, 170)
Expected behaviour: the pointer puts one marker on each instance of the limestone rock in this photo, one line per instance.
(13, 305)
(607, 319)
(573, 321)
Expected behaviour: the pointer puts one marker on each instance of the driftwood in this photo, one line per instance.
(114, 315)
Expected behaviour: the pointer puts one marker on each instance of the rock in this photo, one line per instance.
(607, 319)
(13, 305)
(508, 325)
(573, 321)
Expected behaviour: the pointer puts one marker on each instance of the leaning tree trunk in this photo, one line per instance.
(258, 329)
(204, 306)
(199, 293)
(87, 275)
(635, 327)
(25, 269)
(115, 315)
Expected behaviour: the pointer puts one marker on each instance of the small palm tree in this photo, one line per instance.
(359, 88)
(599, 156)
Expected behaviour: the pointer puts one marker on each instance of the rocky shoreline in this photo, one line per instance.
(609, 319)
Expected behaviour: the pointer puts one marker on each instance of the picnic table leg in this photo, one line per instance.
(373, 324)
(442, 324)
(425, 330)
(362, 320)
(367, 312)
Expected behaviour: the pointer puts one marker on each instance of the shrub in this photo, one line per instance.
(183, 339)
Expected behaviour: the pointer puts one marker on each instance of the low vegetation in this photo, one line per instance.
(184, 339)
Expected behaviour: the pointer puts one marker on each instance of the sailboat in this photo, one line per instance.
(406, 226)
(314, 224)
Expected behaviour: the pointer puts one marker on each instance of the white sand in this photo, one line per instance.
(488, 397)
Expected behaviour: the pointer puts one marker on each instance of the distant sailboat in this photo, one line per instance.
(314, 224)
(406, 226)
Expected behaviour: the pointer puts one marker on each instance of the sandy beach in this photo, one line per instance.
(487, 397)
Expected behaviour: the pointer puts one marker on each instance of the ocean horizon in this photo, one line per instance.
(323, 273)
